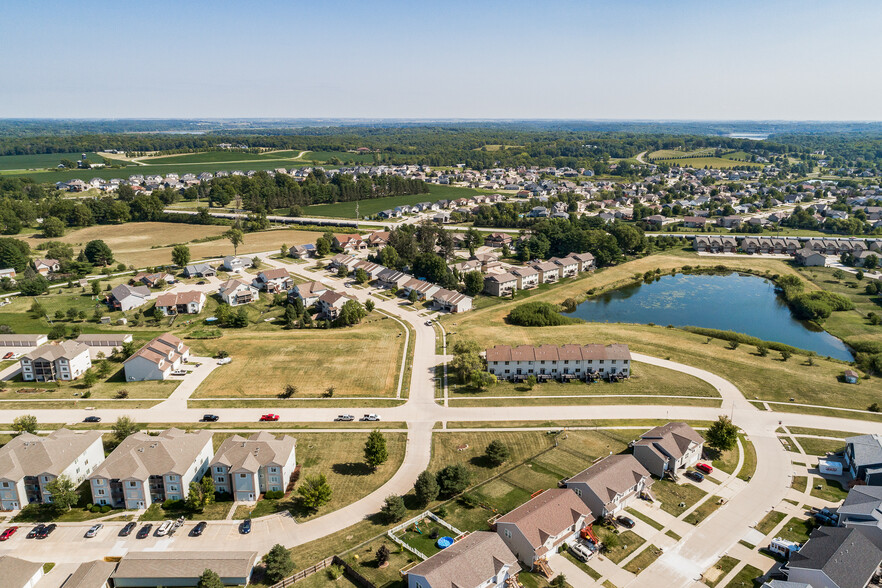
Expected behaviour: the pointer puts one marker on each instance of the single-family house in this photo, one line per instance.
(20, 573)
(480, 559)
(451, 301)
(199, 270)
(373, 270)
(497, 240)
(378, 238)
(500, 284)
(669, 448)
(527, 277)
(232, 263)
(835, 557)
(7, 272)
(125, 297)
(145, 469)
(175, 303)
(302, 251)
(29, 463)
(862, 509)
(694, 222)
(154, 279)
(610, 485)
(235, 292)
(538, 527)
(273, 280)
(731, 221)
(810, 258)
(352, 242)
(307, 292)
(183, 568)
(247, 468)
(863, 458)
(44, 267)
(331, 303)
(548, 272)
(157, 359)
(344, 260)
(390, 278)
(62, 361)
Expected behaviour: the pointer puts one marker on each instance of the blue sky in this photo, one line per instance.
(796, 60)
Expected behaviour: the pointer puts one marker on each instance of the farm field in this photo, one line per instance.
(764, 378)
(359, 361)
(707, 162)
(150, 244)
(375, 205)
(44, 160)
(220, 157)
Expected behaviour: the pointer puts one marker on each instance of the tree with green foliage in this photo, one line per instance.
(361, 276)
(351, 314)
(474, 283)
(26, 423)
(539, 314)
(453, 479)
(375, 450)
(425, 488)
(14, 253)
(236, 237)
(531, 381)
(481, 379)
(96, 288)
(209, 579)
(314, 492)
(762, 350)
(90, 378)
(722, 435)
(413, 296)
(98, 253)
(33, 286)
(52, 227)
(123, 427)
(342, 272)
(63, 492)
(382, 555)
(393, 509)
(58, 331)
(497, 452)
(181, 255)
(277, 563)
(785, 354)
(322, 247)
(369, 305)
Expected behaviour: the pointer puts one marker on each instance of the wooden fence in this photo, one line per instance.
(334, 560)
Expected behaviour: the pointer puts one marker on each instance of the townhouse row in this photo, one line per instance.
(144, 469)
(540, 272)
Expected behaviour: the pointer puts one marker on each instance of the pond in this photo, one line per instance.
(734, 302)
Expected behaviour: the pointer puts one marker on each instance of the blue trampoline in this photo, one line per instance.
(444, 542)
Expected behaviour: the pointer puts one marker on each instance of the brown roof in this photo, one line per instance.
(525, 272)
(545, 266)
(613, 475)
(673, 438)
(554, 353)
(502, 278)
(54, 351)
(141, 455)
(17, 572)
(175, 298)
(275, 273)
(185, 564)
(469, 562)
(548, 515)
(310, 288)
(91, 574)
(165, 347)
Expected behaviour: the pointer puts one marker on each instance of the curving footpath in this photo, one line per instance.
(679, 566)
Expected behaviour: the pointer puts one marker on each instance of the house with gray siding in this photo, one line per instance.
(247, 468)
(480, 559)
(863, 458)
(669, 448)
(862, 509)
(610, 485)
(835, 557)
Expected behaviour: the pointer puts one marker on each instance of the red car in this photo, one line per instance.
(703, 467)
(269, 417)
(9, 532)
(8, 355)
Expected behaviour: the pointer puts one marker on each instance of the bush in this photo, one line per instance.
(744, 339)
(106, 508)
(274, 494)
(170, 504)
(95, 508)
(539, 314)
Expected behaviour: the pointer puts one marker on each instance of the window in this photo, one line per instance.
(133, 484)
(243, 476)
(221, 480)
(274, 470)
(507, 533)
(101, 492)
(578, 492)
(219, 469)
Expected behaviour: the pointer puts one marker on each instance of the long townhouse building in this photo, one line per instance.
(28, 463)
(145, 469)
(550, 361)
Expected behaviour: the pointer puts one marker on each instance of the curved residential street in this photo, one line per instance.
(681, 565)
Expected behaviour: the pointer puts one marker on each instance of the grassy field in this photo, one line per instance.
(829, 490)
(766, 378)
(643, 560)
(850, 325)
(105, 388)
(150, 244)
(629, 542)
(745, 578)
(672, 495)
(703, 511)
(45, 160)
(713, 576)
(358, 361)
(820, 447)
(373, 206)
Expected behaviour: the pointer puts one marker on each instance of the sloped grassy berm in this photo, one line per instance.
(540, 314)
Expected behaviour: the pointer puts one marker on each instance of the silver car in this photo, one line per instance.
(94, 530)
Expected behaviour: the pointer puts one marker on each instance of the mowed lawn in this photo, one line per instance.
(764, 378)
(373, 206)
(150, 244)
(359, 361)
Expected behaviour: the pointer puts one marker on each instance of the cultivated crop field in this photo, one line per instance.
(375, 205)
(359, 361)
(150, 244)
(44, 160)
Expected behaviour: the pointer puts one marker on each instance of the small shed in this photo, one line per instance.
(851, 377)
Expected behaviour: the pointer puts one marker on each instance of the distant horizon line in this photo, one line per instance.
(440, 119)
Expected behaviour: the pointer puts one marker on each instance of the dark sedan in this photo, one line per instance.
(35, 531)
(46, 531)
(626, 522)
(127, 530)
(198, 529)
(245, 527)
(144, 531)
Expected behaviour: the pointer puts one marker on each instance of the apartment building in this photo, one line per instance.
(247, 468)
(157, 359)
(66, 360)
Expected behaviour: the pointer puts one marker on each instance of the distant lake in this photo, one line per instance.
(735, 302)
(751, 136)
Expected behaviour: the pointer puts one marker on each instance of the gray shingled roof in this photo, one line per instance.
(863, 501)
(548, 515)
(53, 351)
(185, 564)
(91, 574)
(17, 572)
(867, 449)
(32, 455)
(845, 555)
(673, 438)
(142, 455)
(259, 449)
(613, 475)
(468, 563)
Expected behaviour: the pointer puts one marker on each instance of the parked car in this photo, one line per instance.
(92, 419)
(580, 551)
(224, 361)
(198, 529)
(179, 373)
(210, 418)
(127, 530)
(47, 530)
(428, 323)
(269, 417)
(144, 531)
(697, 476)
(371, 417)
(345, 417)
(35, 531)
(8, 355)
(704, 468)
(93, 530)
(626, 522)
(200, 283)
(245, 527)
(9, 532)
(164, 528)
